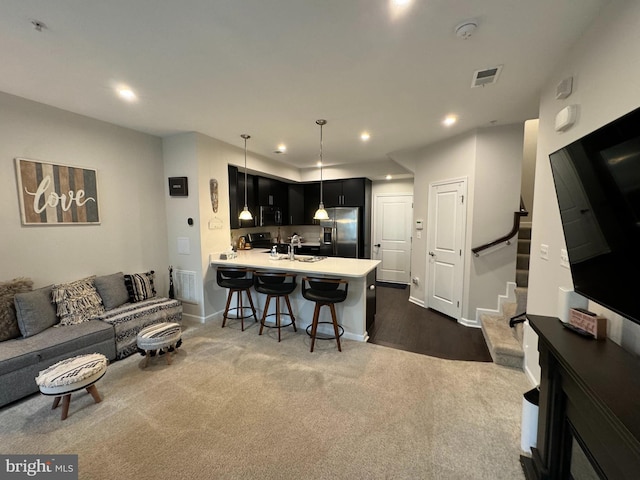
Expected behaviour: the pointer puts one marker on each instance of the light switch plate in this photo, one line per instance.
(544, 251)
(564, 258)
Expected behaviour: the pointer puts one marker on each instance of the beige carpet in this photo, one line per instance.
(235, 405)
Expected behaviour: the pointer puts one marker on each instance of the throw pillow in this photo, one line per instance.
(77, 301)
(35, 311)
(140, 286)
(8, 321)
(112, 290)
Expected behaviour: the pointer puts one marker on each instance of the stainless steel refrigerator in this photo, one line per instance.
(341, 232)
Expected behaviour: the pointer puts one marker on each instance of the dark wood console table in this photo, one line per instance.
(589, 407)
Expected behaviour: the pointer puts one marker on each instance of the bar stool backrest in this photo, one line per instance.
(330, 286)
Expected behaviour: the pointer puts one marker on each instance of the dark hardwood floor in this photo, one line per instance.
(403, 325)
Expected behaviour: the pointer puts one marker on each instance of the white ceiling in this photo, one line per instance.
(270, 68)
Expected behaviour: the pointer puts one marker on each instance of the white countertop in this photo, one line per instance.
(335, 266)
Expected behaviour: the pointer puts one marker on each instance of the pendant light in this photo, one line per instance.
(321, 213)
(245, 214)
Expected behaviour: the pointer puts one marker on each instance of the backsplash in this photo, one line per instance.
(309, 233)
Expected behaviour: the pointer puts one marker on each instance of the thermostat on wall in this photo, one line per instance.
(419, 224)
(566, 117)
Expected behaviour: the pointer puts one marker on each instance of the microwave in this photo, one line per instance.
(270, 216)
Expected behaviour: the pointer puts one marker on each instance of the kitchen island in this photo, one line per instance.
(355, 314)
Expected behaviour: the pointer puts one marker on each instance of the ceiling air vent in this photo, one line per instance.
(486, 76)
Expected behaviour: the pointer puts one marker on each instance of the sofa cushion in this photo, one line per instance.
(53, 343)
(77, 301)
(140, 286)
(35, 311)
(112, 290)
(8, 320)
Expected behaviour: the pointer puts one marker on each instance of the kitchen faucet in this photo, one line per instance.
(294, 239)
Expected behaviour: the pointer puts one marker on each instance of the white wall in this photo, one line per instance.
(490, 159)
(497, 183)
(452, 158)
(132, 234)
(605, 76)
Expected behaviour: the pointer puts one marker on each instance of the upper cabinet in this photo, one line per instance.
(344, 193)
(236, 198)
(272, 193)
(297, 202)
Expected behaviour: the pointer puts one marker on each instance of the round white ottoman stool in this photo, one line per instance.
(161, 337)
(67, 376)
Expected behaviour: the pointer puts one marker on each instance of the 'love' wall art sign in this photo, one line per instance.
(56, 194)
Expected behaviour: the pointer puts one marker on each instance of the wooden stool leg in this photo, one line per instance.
(66, 400)
(335, 324)
(314, 325)
(147, 355)
(94, 393)
(293, 319)
(240, 309)
(253, 309)
(264, 314)
(56, 402)
(278, 316)
(226, 308)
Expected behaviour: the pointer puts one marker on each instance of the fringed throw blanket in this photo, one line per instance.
(130, 318)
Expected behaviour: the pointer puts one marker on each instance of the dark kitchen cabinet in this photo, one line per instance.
(296, 205)
(236, 198)
(311, 202)
(344, 193)
(272, 193)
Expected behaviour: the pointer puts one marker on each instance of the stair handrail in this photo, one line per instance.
(514, 231)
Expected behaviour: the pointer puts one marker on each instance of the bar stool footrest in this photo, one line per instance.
(324, 336)
(275, 325)
(238, 317)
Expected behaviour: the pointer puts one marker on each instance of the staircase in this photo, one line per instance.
(504, 342)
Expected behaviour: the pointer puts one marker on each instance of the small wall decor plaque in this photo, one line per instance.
(52, 194)
(178, 187)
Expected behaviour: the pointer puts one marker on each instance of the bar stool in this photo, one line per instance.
(276, 285)
(325, 291)
(237, 280)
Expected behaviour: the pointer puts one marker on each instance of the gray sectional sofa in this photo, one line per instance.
(45, 338)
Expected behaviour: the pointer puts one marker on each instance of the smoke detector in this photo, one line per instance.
(465, 29)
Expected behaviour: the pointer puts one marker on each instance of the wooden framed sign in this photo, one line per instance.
(52, 194)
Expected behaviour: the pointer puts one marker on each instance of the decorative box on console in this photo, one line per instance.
(589, 322)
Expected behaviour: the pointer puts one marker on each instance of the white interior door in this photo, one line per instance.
(392, 237)
(445, 254)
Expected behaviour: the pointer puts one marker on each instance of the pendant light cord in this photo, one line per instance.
(321, 163)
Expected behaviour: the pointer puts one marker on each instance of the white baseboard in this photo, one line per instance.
(509, 296)
(469, 323)
(417, 301)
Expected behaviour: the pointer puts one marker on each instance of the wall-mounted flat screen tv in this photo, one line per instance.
(597, 181)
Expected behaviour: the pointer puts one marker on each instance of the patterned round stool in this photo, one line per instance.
(67, 376)
(161, 337)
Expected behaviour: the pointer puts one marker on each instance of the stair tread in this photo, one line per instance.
(500, 337)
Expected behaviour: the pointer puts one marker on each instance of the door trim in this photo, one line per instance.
(463, 241)
(374, 224)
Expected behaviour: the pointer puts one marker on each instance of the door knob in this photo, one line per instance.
(432, 254)
(377, 245)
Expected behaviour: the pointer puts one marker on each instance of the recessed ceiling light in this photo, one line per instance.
(397, 8)
(364, 136)
(449, 120)
(388, 177)
(127, 94)
(282, 148)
